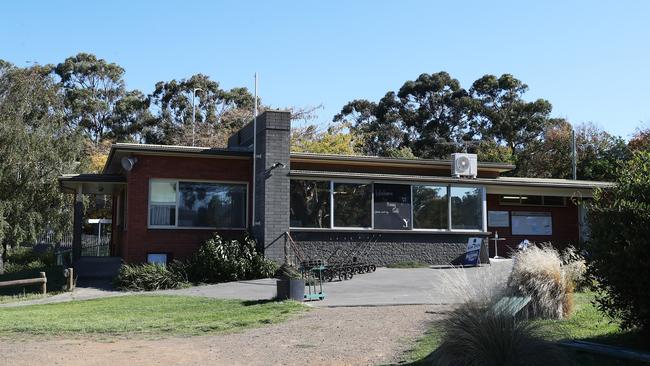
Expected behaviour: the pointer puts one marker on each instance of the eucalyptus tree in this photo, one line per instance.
(37, 145)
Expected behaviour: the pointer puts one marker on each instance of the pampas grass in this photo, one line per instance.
(574, 267)
(537, 272)
(479, 334)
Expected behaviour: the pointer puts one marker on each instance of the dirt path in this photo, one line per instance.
(326, 336)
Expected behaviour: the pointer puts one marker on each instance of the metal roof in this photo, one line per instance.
(380, 160)
(124, 149)
(501, 181)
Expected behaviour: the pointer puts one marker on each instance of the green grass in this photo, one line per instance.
(586, 323)
(143, 315)
(408, 264)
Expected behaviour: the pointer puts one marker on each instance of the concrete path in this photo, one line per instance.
(422, 286)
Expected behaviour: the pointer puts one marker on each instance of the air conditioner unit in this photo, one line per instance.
(464, 165)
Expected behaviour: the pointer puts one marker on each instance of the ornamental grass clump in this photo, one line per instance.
(479, 334)
(537, 272)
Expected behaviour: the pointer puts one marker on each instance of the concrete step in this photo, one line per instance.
(106, 268)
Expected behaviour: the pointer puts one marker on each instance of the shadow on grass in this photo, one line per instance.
(259, 302)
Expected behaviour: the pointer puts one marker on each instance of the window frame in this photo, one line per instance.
(411, 229)
(178, 192)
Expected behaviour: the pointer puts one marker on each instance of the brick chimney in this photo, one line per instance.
(271, 219)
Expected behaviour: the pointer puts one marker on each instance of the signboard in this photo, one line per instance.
(498, 219)
(532, 223)
(473, 252)
(392, 208)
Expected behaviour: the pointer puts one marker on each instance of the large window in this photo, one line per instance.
(352, 202)
(430, 207)
(197, 204)
(221, 205)
(383, 206)
(310, 203)
(466, 208)
(392, 206)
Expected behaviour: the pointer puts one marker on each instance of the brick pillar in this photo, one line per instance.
(272, 181)
(271, 219)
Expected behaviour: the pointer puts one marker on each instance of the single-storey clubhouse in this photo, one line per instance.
(167, 200)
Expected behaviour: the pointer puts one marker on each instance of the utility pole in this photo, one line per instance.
(194, 111)
(254, 151)
(574, 154)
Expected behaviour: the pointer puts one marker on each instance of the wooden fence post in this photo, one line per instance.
(70, 279)
(44, 285)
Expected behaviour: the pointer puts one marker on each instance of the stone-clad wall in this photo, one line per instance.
(385, 248)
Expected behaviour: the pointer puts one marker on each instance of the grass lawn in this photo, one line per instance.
(408, 264)
(143, 315)
(586, 323)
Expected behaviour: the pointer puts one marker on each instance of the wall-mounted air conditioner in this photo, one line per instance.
(464, 165)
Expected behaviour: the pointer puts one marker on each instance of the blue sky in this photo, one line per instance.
(589, 59)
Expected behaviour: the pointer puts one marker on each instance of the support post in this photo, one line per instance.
(44, 284)
(78, 223)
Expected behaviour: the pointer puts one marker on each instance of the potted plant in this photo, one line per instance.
(290, 284)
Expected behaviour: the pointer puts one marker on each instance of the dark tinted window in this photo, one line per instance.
(310, 203)
(466, 208)
(430, 207)
(352, 204)
(220, 205)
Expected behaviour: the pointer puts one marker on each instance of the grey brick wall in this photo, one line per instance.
(272, 198)
(386, 248)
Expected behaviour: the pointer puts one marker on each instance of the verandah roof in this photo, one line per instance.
(91, 183)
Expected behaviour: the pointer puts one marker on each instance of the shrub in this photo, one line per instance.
(477, 334)
(537, 272)
(219, 260)
(619, 219)
(149, 277)
(24, 259)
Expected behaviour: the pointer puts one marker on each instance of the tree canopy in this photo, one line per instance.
(37, 145)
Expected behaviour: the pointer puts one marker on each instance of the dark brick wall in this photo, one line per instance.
(385, 248)
(565, 221)
(272, 196)
(138, 239)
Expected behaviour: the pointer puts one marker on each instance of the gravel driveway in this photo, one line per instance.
(322, 336)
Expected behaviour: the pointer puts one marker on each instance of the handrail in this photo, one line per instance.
(297, 251)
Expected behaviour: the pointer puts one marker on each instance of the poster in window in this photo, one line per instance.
(392, 206)
(532, 223)
(498, 219)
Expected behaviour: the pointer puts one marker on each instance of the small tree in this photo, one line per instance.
(619, 252)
